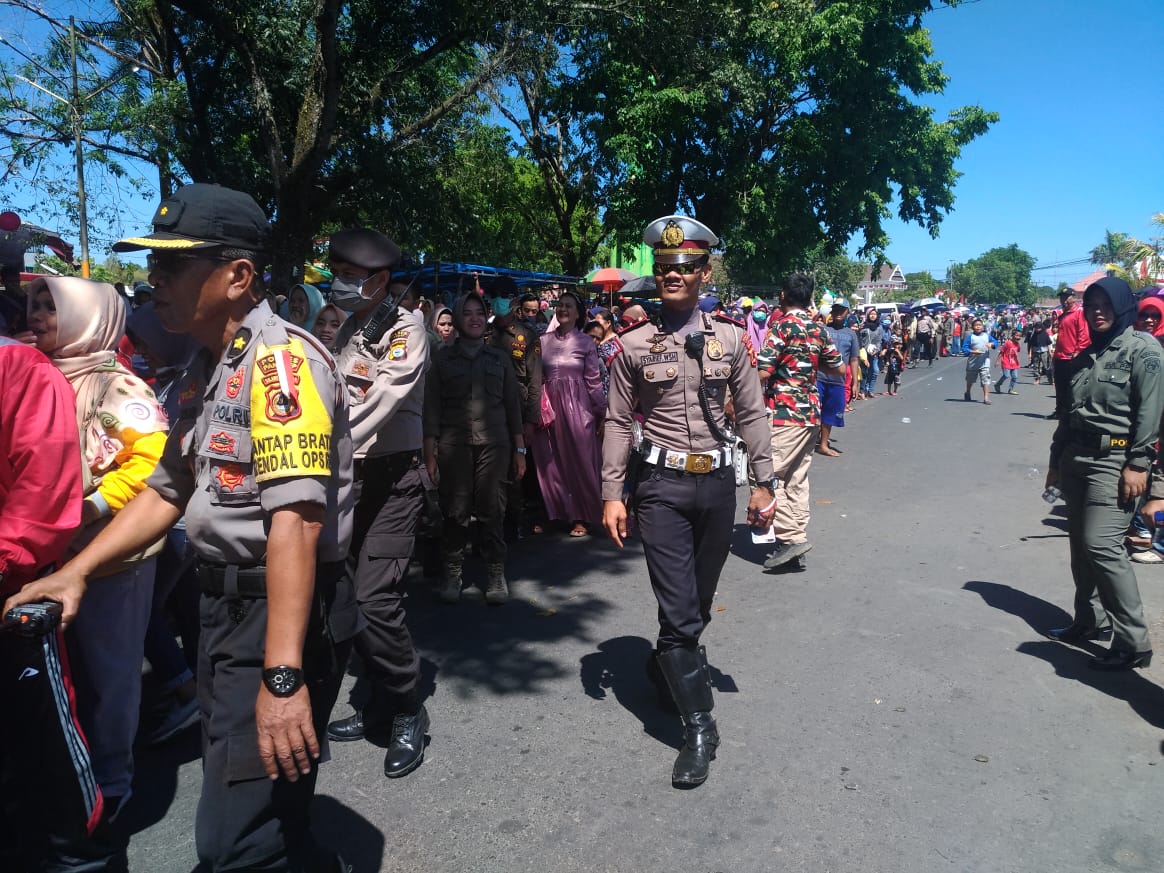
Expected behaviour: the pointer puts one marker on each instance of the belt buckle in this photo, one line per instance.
(698, 464)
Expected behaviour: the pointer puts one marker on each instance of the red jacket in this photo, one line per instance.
(40, 465)
(1074, 336)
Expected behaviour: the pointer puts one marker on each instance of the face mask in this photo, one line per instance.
(501, 306)
(348, 294)
(759, 317)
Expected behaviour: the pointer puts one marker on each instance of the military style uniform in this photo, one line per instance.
(683, 487)
(524, 347)
(1116, 398)
(385, 379)
(260, 429)
(473, 411)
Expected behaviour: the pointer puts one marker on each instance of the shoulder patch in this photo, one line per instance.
(634, 326)
(719, 316)
(1151, 364)
(290, 425)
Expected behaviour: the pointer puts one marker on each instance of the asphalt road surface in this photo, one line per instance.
(892, 709)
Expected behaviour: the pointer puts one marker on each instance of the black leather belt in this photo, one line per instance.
(239, 580)
(396, 462)
(1099, 442)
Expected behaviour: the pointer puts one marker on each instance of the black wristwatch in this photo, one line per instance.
(283, 681)
(771, 484)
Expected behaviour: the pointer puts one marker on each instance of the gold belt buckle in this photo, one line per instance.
(698, 464)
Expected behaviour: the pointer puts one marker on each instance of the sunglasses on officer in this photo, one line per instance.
(685, 269)
(172, 262)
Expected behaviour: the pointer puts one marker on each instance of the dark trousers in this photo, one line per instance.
(685, 521)
(1064, 370)
(49, 800)
(389, 504)
(245, 821)
(474, 482)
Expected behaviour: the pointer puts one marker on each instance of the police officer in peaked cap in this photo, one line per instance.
(383, 355)
(682, 487)
(259, 462)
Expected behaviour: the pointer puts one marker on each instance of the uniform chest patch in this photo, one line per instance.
(714, 349)
(230, 477)
(221, 443)
(234, 383)
(361, 369)
(665, 358)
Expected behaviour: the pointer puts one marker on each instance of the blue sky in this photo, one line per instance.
(1079, 147)
(1080, 144)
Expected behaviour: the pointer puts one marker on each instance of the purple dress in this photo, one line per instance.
(567, 452)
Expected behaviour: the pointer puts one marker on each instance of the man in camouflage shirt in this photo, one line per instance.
(794, 348)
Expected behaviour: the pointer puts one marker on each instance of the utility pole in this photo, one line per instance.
(78, 132)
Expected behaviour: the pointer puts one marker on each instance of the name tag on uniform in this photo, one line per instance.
(666, 358)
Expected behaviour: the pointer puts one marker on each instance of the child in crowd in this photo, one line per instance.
(976, 347)
(894, 363)
(1008, 361)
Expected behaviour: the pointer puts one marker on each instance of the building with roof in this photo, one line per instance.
(888, 279)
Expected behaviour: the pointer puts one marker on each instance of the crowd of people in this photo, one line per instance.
(232, 485)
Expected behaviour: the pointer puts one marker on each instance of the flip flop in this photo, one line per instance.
(579, 531)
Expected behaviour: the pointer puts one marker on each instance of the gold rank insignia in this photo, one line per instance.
(240, 340)
(657, 346)
(714, 349)
(672, 235)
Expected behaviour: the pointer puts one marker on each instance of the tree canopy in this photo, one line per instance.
(1001, 275)
(536, 131)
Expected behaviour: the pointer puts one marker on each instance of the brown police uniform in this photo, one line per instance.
(262, 428)
(524, 347)
(684, 492)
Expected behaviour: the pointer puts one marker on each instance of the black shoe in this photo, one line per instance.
(1121, 660)
(346, 730)
(796, 565)
(700, 740)
(1077, 633)
(406, 750)
(784, 553)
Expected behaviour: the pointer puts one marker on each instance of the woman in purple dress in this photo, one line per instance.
(566, 452)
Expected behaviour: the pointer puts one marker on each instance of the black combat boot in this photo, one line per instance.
(689, 678)
(406, 748)
(655, 674)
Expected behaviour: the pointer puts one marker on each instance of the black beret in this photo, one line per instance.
(365, 248)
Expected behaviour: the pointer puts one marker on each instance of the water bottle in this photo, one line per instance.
(1052, 495)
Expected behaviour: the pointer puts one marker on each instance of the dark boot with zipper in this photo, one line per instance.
(689, 679)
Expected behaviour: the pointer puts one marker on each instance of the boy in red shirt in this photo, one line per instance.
(1008, 362)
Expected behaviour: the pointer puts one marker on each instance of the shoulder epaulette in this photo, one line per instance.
(634, 326)
(719, 316)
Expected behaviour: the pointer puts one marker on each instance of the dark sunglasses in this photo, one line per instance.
(172, 262)
(682, 269)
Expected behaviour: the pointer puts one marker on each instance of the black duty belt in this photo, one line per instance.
(240, 580)
(395, 463)
(1099, 442)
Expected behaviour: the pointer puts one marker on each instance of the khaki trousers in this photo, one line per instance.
(792, 449)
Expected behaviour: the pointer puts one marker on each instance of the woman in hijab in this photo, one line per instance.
(757, 324)
(78, 324)
(302, 306)
(440, 325)
(1100, 458)
(566, 448)
(328, 323)
(1150, 317)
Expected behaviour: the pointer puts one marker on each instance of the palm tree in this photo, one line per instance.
(1137, 262)
(1111, 250)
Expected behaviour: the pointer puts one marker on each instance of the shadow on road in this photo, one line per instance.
(619, 666)
(1030, 415)
(344, 830)
(1143, 696)
(155, 779)
(743, 547)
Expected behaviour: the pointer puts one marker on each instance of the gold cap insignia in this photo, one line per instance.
(672, 235)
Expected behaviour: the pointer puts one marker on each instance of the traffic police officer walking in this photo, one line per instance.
(383, 354)
(683, 489)
(259, 463)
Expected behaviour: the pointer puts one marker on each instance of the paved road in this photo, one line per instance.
(890, 710)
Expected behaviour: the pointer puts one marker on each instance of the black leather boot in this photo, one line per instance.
(406, 748)
(655, 674)
(689, 679)
(345, 730)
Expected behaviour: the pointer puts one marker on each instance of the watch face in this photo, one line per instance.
(282, 681)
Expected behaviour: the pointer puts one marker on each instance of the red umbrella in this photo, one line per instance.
(610, 276)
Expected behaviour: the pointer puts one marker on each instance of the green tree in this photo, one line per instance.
(783, 126)
(1000, 275)
(1113, 249)
(922, 284)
